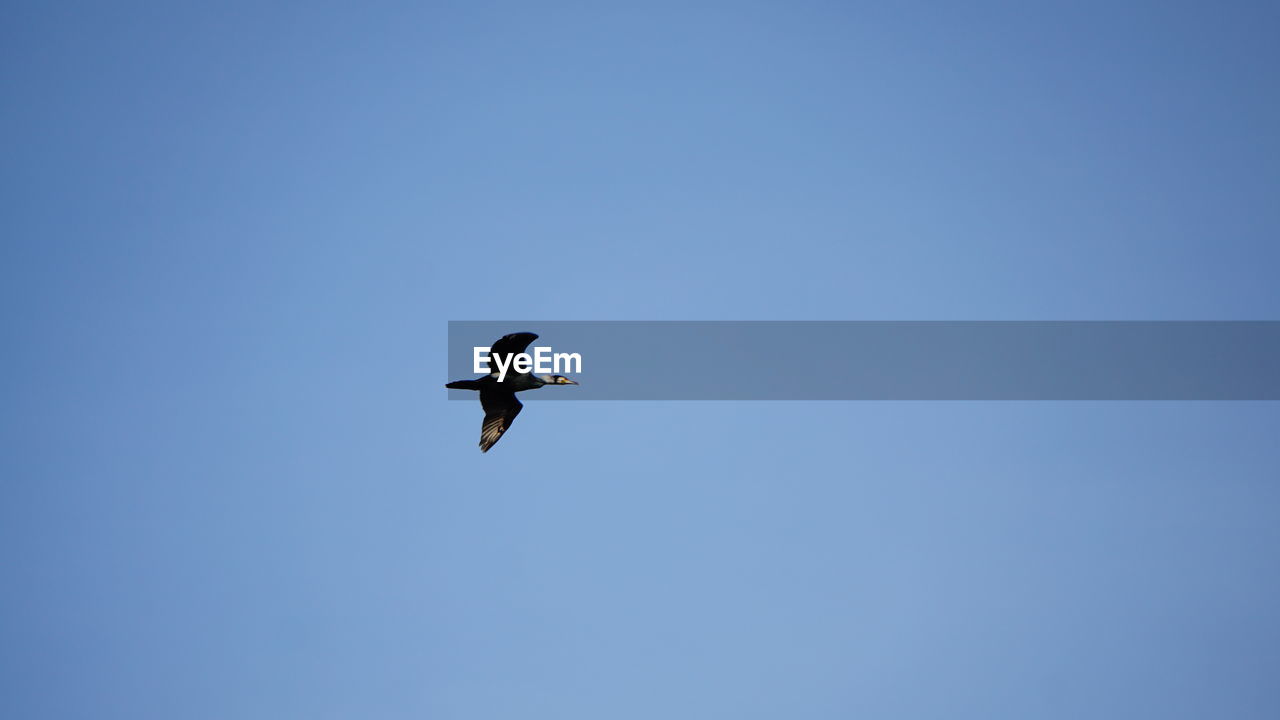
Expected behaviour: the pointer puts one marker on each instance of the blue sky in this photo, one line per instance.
(234, 235)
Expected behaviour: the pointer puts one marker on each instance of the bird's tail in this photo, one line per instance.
(464, 385)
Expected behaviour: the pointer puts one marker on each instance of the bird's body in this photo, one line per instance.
(498, 397)
(514, 382)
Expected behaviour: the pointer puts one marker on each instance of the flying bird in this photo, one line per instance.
(498, 398)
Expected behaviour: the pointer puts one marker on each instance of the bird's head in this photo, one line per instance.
(558, 380)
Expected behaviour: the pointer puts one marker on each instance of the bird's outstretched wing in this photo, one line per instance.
(500, 410)
(509, 345)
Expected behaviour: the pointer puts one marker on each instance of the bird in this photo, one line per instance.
(498, 398)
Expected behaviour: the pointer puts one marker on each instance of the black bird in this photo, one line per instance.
(498, 399)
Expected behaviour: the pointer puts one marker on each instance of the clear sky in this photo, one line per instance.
(231, 485)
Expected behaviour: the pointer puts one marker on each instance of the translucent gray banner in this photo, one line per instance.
(892, 360)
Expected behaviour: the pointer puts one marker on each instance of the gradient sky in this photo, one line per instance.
(233, 234)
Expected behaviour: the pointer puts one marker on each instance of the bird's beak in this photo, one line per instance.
(567, 381)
